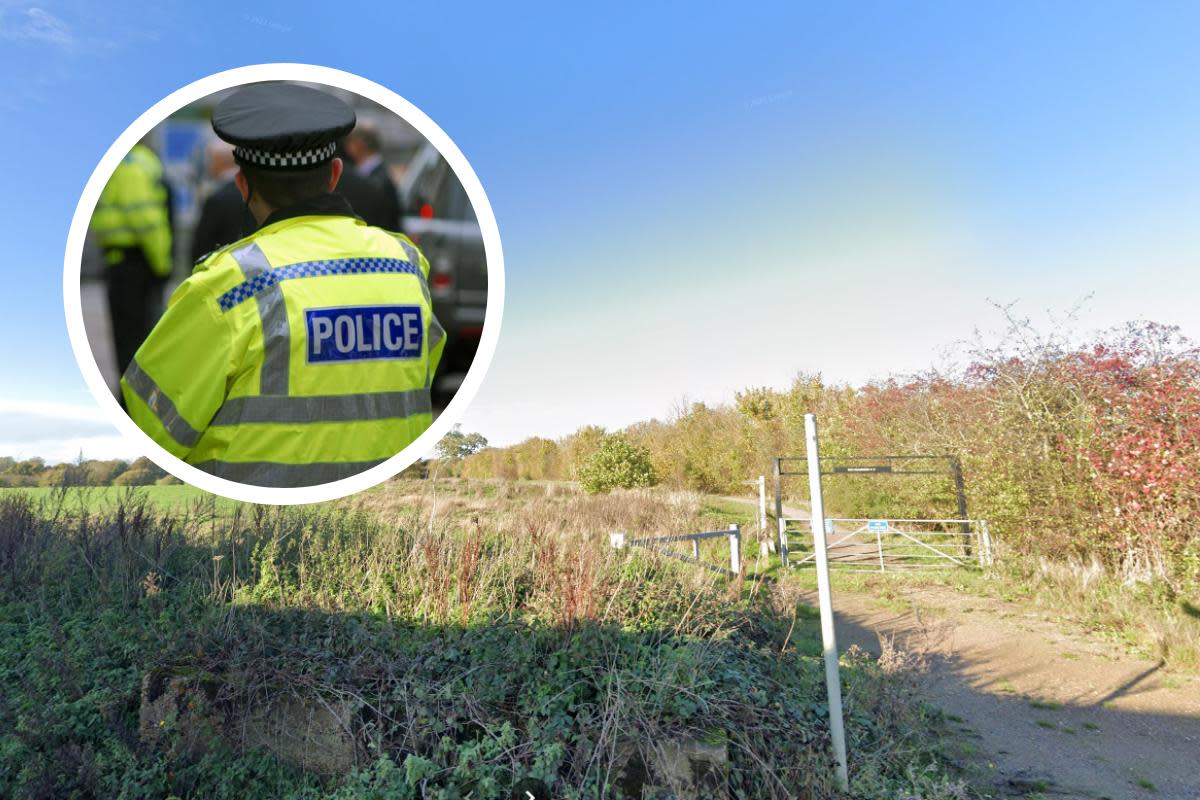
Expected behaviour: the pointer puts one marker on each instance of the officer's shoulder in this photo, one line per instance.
(213, 258)
(397, 238)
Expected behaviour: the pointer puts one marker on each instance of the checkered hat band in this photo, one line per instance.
(312, 269)
(303, 158)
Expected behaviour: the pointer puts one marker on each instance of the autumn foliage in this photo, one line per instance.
(1069, 449)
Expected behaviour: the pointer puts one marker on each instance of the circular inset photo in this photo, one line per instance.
(285, 281)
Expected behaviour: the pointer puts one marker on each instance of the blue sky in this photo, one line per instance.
(692, 200)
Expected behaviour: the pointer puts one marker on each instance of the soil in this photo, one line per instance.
(1041, 711)
(1041, 708)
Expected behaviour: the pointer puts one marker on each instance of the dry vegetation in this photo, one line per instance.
(468, 639)
(1082, 455)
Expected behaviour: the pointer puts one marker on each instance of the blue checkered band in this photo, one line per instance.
(303, 158)
(312, 269)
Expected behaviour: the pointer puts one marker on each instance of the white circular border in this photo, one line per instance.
(314, 74)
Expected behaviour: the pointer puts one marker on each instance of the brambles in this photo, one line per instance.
(466, 637)
(1069, 450)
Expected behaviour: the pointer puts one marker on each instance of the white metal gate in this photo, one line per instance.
(882, 545)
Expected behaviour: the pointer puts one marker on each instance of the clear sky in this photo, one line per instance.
(691, 200)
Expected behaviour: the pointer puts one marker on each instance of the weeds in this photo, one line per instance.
(470, 639)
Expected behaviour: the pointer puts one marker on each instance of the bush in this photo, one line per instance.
(616, 464)
(478, 659)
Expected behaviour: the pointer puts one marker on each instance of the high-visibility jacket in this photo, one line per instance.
(132, 211)
(299, 355)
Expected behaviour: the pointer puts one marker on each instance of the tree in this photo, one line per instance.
(142, 472)
(617, 463)
(30, 466)
(456, 445)
(102, 473)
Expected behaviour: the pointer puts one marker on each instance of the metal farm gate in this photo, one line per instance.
(884, 544)
(890, 545)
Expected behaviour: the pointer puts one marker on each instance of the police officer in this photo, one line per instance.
(303, 353)
(132, 224)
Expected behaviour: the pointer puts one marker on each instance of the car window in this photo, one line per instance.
(451, 201)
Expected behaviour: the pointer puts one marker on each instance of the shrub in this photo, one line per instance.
(616, 464)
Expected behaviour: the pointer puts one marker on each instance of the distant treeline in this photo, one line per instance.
(115, 472)
(1068, 449)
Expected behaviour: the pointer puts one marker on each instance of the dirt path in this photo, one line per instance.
(1044, 710)
(1054, 713)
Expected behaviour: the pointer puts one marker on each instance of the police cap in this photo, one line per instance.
(282, 126)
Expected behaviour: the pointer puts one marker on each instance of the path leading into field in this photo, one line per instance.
(1052, 712)
(1043, 710)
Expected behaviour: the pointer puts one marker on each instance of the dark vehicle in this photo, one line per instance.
(439, 218)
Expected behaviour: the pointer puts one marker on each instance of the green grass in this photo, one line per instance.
(1045, 705)
(497, 644)
(102, 498)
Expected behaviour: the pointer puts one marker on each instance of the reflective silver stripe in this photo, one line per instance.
(436, 333)
(131, 206)
(108, 233)
(435, 336)
(414, 257)
(162, 405)
(324, 408)
(276, 331)
(274, 474)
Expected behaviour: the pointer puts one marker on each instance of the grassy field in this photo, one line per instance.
(428, 639)
(104, 498)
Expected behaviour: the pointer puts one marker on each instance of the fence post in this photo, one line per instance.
(783, 553)
(985, 556)
(617, 540)
(879, 542)
(960, 494)
(833, 680)
(696, 549)
(762, 506)
(735, 551)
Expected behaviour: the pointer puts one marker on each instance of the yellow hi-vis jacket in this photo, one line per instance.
(132, 211)
(300, 355)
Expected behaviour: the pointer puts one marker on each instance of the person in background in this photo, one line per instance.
(224, 217)
(132, 224)
(369, 201)
(365, 147)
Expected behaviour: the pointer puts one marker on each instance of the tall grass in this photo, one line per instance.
(1071, 448)
(472, 636)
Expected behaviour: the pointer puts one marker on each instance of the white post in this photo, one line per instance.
(735, 550)
(986, 554)
(879, 542)
(617, 540)
(833, 682)
(696, 549)
(762, 506)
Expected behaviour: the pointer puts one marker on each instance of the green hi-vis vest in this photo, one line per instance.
(132, 211)
(300, 355)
